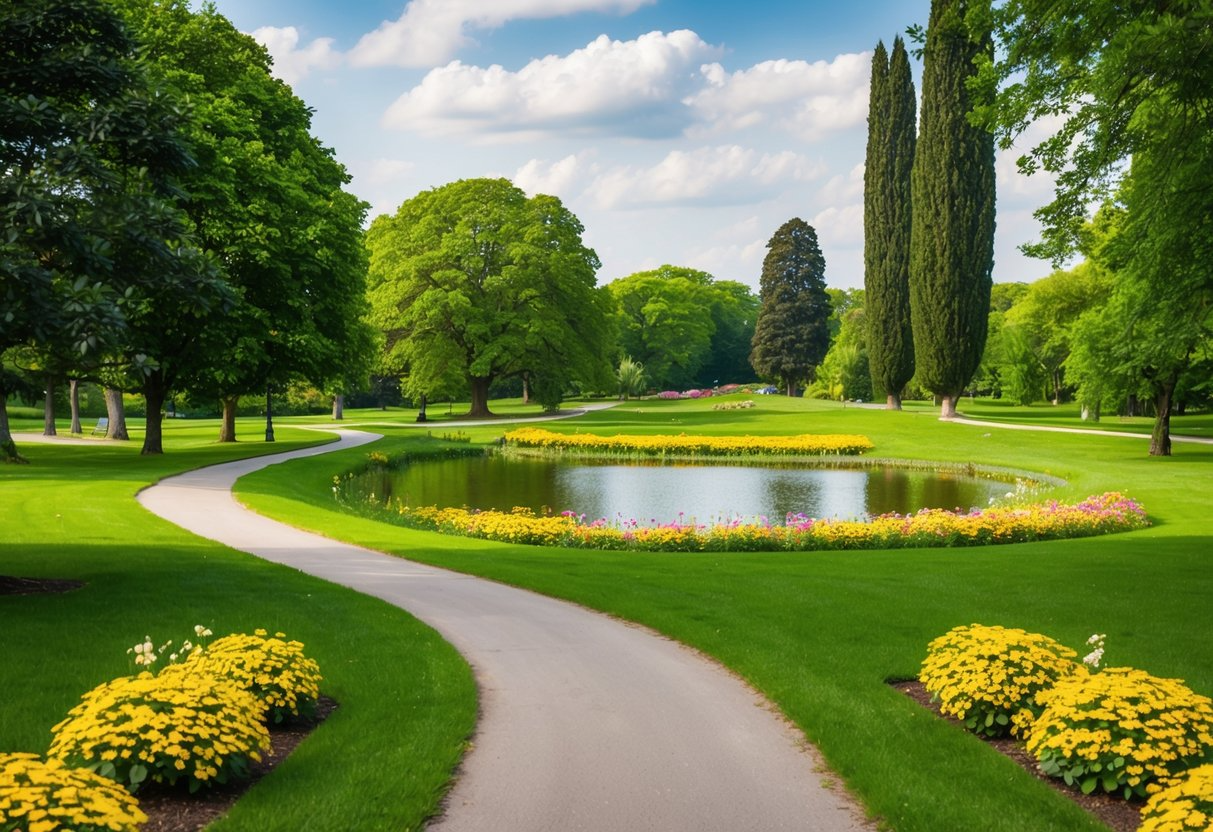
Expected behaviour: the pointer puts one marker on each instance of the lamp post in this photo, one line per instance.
(269, 415)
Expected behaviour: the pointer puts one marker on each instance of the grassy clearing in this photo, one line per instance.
(407, 700)
(820, 633)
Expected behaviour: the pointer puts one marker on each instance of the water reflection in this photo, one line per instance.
(654, 494)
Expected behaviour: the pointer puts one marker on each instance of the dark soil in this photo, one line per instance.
(176, 810)
(1117, 814)
(12, 585)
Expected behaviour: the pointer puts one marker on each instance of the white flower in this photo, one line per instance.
(200, 631)
(1093, 658)
(1096, 639)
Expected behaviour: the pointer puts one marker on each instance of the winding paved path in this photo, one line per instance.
(586, 723)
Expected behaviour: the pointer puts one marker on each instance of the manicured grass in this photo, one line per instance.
(406, 699)
(820, 633)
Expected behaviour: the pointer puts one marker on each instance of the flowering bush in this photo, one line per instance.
(929, 527)
(742, 405)
(1181, 804)
(274, 670)
(989, 677)
(163, 728)
(669, 394)
(803, 445)
(1119, 729)
(46, 796)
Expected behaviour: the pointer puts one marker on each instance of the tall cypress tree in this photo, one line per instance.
(886, 222)
(792, 334)
(952, 233)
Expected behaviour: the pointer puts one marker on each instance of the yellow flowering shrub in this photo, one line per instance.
(1120, 729)
(1181, 804)
(195, 726)
(683, 445)
(273, 669)
(39, 795)
(990, 677)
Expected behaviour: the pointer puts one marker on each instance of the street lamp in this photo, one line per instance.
(269, 415)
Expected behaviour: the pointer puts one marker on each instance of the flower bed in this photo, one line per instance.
(45, 795)
(1182, 804)
(683, 445)
(1103, 514)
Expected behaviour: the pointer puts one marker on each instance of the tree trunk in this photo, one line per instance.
(790, 385)
(526, 390)
(480, 397)
(74, 399)
(421, 417)
(154, 395)
(338, 407)
(1056, 387)
(116, 428)
(1131, 408)
(947, 406)
(1160, 439)
(48, 411)
(227, 427)
(8, 448)
(892, 402)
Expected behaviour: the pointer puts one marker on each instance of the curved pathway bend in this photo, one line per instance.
(964, 420)
(586, 723)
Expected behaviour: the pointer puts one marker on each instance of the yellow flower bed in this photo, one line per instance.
(989, 677)
(931, 527)
(1182, 804)
(176, 725)
(47, 796)
(683, 445)
(274, 670)
(1120, 729)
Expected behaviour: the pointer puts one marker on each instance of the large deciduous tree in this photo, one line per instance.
(1123, 81)
(886, 222)
(269, 201)
(665, 322)
(792, 335)
(89, 146)
(952, 233)
(476, 279)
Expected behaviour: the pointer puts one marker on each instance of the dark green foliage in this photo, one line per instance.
(886, 221)
(952, 238)
(792, 334)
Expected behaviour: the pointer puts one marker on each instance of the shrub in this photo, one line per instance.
(272, 669)
(990, 677)
(669, 394)
(176, 725)
(1182, 804)
(1120, 729)
(682, 444)
(45, 795)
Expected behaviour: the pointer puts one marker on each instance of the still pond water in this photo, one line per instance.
(654, 494)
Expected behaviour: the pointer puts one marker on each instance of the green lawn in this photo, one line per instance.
(820, 633)
(406, 699)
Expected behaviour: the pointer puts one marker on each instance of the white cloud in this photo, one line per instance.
(609, 87)
(806, 99)
(380, 171)
(292, 63)
(562, 178)
(839, 225)
(430, 32)
(725, 175)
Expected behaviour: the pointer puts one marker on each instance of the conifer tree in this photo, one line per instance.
(792, 335)
(952, 233)
(886, 222)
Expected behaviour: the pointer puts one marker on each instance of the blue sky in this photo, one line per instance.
(678, 131)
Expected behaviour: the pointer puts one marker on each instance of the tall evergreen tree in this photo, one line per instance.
(886, 222)
(952, 184)
(792, 335)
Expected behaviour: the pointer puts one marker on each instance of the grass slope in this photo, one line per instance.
(820, 633)
(407, 700)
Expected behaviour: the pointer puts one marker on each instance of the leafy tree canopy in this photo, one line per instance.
(474, 278)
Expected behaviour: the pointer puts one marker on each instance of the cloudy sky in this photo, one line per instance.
(678, 131)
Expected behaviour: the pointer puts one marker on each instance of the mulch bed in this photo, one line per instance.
(176, 810)
(1119, 815)
(12, 585)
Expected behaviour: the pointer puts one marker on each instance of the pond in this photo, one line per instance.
(655, 494)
